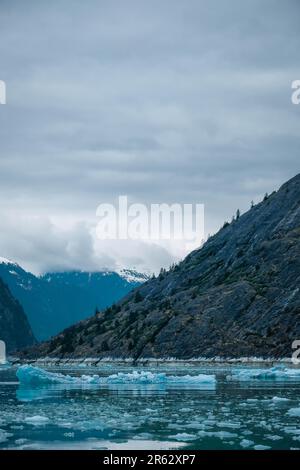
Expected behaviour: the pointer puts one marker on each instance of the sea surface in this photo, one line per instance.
(161, 407)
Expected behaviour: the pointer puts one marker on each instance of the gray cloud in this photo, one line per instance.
(166, 101)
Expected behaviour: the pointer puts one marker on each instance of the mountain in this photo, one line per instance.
(57, 300)
(14, 326)
(236, 296)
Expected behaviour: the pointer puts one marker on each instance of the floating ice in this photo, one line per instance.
(246, 443)
(102, 444)
(29, 375)
(294, 412)
(273, 437)
(21, 441)
(279, 399)
(37, 420)
(4, 435)
(273, 373)
(261, 447)
(227, 424)
(219, 434)
(184, 436)
(160, 378)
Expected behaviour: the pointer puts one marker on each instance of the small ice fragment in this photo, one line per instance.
(37, 420)
(4, 435)
(261, 447)
(143, 435)
(20, 442)
(280, 399)
(246, 443)
(219, 434)
(225, 424)
(273, 437)
(184, 437)
(225, 434)
(294, 412)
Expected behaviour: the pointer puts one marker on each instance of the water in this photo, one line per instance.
(233, 414)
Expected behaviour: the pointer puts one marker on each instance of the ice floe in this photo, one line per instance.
(279, 372)
(273, 437)
(30, 375)
(225, 424)
(261, 447)
(4, 435)
(184, 436)
(279, 399)
(294, 412)
(37, 420)
(246, 443)
(101, 444)
(219, 434)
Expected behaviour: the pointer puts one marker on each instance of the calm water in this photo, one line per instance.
(233, 415)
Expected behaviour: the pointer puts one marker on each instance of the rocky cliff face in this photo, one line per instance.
(236, 296)
(14, 327)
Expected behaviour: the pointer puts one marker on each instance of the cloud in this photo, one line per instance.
(165, 101)
(41, 245)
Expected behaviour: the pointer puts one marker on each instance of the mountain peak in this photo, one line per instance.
(133, 276)
(7, 261)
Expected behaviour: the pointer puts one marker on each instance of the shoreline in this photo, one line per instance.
(201, 361)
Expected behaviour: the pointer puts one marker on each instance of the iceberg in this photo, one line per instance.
(159, 378)
(30, 375)
(273, 373)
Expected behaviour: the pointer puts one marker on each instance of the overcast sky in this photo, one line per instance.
(161, 100)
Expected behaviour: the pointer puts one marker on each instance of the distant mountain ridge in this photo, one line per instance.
(239, 295)
(55, 301)
(15, 330)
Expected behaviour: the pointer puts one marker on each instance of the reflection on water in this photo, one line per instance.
(231, 415)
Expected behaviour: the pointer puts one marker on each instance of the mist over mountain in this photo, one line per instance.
(57, 300)
(236, 296)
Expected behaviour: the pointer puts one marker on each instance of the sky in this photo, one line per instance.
(163, 101)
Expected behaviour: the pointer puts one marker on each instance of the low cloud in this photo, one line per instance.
(164, 101)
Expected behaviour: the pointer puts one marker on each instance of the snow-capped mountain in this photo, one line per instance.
(6, 261)
(55, 301)
(133, 276)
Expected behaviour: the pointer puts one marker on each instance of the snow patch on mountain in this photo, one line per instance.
(7, 261)
(133, 276)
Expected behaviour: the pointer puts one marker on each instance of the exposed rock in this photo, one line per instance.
(14, 327)
(236, 296)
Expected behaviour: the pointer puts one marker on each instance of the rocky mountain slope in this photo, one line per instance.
(57, 300)
(14, 326)
(236, 296)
